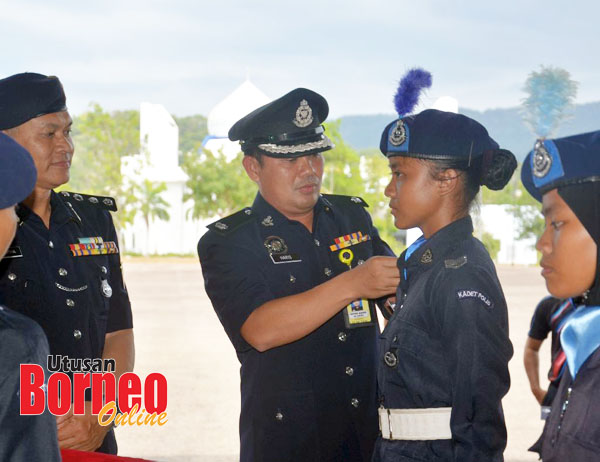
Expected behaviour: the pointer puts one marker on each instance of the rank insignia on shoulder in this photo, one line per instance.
(93, 246)
(455, 263)
(339, 199)
(104, 202)
(228, 224)
(349, 239)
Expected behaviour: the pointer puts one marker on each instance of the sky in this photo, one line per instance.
(189, 55)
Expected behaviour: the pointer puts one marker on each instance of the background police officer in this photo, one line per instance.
(22, 341)
(63, 269)
(289, 279)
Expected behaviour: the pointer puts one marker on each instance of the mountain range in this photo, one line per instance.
(506, 126)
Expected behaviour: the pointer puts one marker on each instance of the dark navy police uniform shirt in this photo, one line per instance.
(23, 438)
(76, 300)
(313, 399)
(447, 345)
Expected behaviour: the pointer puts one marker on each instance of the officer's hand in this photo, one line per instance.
(540, 394)
(81, 432)
(377, 277)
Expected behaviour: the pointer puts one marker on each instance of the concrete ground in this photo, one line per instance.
(178, 334)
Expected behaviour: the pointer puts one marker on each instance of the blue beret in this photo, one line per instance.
(561, 162)
(288, 127)
(435, 135)
(29, 95)
(17, 172)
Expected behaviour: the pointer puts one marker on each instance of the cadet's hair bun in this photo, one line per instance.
(497, 169)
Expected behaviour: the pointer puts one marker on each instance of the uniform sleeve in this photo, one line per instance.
(474, 331)
(234, 283)
(540, 322)
(119, 314)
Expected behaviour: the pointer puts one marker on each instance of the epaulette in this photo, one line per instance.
(104, 202)
(231, 222)
(340, 199)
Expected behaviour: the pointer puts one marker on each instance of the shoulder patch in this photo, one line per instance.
(232, 222)
(455, 263)
(340, 199)
(475, 294)
(104, 202)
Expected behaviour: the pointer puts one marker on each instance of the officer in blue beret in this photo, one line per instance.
(22, 341)
(63, 268)
(292, 279)
(564, 175)
(443, 356)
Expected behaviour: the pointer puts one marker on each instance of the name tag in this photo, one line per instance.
(285, 258)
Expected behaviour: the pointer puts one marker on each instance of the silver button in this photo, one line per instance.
(12, 276)
(354, 402)
(103, 269)
(327, 272)
(70, 303)
(279, 416)
(327, 209)
(248, 212)
(360, 262)
(62, 271)
(390, 359)
(342, 336)
(317, 243)
(292, 278)
(51, 244)
(106, 289)
(349, 371)
(77, 334)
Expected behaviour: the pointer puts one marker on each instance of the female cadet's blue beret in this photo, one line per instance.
(17, 172)
(561, 162)
(29, 95)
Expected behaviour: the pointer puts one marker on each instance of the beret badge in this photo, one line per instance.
(304, 115)
(542, 161)
(398, 134)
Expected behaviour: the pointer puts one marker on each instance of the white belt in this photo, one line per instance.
(415, 424)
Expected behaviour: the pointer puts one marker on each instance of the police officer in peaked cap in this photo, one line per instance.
(63, 268)
(23, 438)
(292, 279)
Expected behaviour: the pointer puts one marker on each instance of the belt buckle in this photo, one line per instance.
(389, 416)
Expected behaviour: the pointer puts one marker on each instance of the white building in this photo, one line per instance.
(159, 163)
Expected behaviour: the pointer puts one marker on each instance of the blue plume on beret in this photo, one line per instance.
(409, 89)
(551, 94)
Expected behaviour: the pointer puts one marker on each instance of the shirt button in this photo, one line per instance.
(327, 272)
(104, 270)
(279, 416)
(390, 359)
(360, 262)
(70, 303)
(342, 336)
(12, 276)
(354, 402)
(51, 244)
(349, 371)
(77, 334)
(317, 243)
(292, 278)
(62, 272)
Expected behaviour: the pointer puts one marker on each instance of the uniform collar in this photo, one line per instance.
(435, 248)
(62, 211)
(268, 215)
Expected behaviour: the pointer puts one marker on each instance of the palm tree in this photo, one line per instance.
(152, 205)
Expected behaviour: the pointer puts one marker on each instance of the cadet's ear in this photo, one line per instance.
(448, 181)
(252, 167)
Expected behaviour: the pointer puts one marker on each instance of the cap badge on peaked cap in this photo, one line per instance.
(303, 115)
(542, 160)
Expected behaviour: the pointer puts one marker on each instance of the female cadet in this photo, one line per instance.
(444, 353)
(564, 174)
